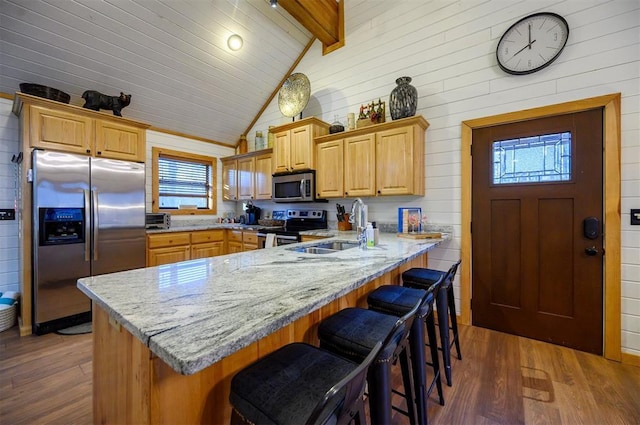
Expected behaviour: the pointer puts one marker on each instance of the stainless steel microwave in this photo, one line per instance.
(294, 187)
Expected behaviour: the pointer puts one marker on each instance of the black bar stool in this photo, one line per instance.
(397, 300)
(422, 278)
(300, 384)
(353, 332)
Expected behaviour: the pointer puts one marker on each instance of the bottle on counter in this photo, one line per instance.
(370, 235)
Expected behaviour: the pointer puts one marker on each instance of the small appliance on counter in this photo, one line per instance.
(158, 220)
(252, 214)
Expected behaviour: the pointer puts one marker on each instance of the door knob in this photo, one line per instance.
(591, 251)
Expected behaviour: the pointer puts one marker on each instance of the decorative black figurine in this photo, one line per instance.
(95, 100)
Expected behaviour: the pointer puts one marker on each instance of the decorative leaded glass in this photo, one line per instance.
(537, 159)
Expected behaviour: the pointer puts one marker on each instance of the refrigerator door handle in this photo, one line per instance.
(96, 224)
(87, 227)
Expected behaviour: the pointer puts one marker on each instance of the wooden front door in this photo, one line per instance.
(537, 229)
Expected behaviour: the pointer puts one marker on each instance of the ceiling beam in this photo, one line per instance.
(323, 18)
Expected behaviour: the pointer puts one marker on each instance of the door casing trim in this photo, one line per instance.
(612, 147)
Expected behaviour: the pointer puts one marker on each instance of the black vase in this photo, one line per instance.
(403, 100)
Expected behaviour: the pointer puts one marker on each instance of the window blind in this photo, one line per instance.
(183, 182)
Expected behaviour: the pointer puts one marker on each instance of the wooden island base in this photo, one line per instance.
(131, 385)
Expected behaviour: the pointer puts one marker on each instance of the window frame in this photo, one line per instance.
(210, 161)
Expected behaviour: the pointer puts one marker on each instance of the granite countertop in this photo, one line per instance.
(193, 313)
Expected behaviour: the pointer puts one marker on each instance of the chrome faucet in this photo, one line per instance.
(358, 217)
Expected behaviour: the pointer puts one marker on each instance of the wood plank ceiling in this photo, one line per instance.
(170, 55)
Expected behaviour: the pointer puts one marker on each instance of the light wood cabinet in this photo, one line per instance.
(262, 180)
(119, 141)
(229, 179)
(247, 176)
(360, 165)
(234, 241)
(396, 162)
(171, 247)
(59, 130)
(384, 159)
(293, 148)
(68, 128)
(166, 248)
(246, 169)
(346, 167)
(330, 179)
(207, 243)
(249, 240)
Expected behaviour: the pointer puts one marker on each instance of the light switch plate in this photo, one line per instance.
(635, 217)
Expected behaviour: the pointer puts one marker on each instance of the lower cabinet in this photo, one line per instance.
(165, 248)
(207, 243)
(249, 241)
(234, 241)
(172, 247)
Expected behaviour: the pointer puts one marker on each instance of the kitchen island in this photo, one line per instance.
(168, 339)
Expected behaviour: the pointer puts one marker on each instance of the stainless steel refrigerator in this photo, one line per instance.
(88, 219)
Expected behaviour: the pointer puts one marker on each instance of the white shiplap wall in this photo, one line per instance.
(448, 48)
(9, 146)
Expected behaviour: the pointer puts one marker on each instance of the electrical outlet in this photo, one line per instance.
(7, 214)
(635, 217)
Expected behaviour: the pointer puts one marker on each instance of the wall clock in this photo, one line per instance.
(532, 43)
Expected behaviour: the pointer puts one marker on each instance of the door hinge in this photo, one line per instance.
(471, 227)
(471, 304)
(471, 149)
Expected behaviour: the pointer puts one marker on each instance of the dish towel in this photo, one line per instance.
(270, 241)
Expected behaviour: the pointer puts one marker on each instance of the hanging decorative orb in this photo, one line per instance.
(403, 100)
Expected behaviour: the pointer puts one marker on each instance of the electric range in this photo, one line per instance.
(295, 221)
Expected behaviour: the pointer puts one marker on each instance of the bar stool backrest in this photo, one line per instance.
(350, 389)
(451, 274)
(354, 383)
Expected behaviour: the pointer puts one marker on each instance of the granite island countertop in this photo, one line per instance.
(193, 313)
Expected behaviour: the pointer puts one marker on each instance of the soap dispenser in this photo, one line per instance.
(370, 235)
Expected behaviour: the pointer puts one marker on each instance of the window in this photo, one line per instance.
(183, 183)
(537, 159)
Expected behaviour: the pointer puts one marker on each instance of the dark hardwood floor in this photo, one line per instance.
(502, 379)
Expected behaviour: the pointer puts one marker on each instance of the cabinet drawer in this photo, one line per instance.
(207, 236)
(250, 237)
(235, 235)
(168, 239)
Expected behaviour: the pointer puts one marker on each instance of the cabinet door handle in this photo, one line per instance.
(88, 150)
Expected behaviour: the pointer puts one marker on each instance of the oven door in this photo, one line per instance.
(286, 239)
(280, 240)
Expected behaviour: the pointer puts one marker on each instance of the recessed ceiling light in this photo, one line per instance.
(274, 3)
(234, 42)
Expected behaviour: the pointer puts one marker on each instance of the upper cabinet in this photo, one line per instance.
(247, 176)
(229, 179)
(293, 148)
(263, 175)
(383, 159)
(58, 126)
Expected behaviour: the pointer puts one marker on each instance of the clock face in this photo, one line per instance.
(532, 43)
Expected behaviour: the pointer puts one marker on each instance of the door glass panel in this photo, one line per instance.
(537, 159)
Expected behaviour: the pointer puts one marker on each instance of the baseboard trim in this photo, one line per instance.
(631, 359)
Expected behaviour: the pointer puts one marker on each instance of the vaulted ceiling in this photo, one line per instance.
(170, 55)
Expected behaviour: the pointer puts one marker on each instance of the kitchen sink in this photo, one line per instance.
(337, 245)
(325, 247)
